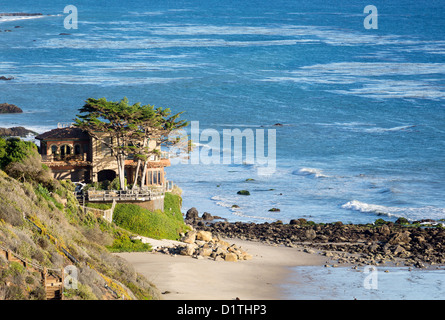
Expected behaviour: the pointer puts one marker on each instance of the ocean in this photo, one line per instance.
(361, 111)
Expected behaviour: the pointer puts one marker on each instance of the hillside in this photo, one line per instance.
(41, 222)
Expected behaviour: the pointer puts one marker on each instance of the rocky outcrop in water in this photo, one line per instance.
(3, 78)
(16, 132)
(19, 14)
(9, 108)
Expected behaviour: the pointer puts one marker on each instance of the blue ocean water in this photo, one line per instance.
(362, 110)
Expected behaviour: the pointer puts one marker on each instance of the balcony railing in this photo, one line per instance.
(126, 195)
(67, 157)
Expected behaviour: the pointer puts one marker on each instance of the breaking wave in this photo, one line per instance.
(412, 214)
(317, 173)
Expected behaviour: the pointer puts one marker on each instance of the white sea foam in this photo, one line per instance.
(406, 89)
(374, 78)
(393, 129)
(226, 203)
(345, 72)
(156, 43)
(366, 127)
(91, 80)
(317, 173)
(18, 18)
(121, 66)
(412, 214)
(315, 33)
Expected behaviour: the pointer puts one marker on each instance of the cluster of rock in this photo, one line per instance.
(192, 217)
(412, 245)
(202, 244)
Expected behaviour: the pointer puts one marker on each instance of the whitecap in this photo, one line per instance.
(393, 129)
(18, 18)
(91, 80)
(317, 173)
(410, 213)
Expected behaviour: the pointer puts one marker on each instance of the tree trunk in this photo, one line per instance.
(136, 176)
(138, 166)
(144, 173)
(121, 171)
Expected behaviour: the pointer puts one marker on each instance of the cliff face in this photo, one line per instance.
(49, 229)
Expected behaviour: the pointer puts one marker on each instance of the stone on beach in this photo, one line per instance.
(190, 237)
(230, 256)
(202, 244)
(192, 214)
(204, 235)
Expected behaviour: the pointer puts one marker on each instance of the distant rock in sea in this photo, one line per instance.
(16, 132)
(6, 78)
(19, 14)
(9, 108)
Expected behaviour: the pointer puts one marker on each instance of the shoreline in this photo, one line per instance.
(261, 278)
(276, 249)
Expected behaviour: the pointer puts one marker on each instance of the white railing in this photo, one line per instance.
(125, 195)
(107, 214)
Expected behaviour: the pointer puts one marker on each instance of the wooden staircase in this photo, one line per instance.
(52, 282)
(53, 286)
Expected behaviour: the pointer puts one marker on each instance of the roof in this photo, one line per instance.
(64, 133)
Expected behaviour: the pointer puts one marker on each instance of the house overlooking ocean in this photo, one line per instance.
(74, 154)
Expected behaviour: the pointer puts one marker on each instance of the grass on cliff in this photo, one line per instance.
(159, 225)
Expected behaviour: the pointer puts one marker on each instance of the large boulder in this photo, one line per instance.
(230, 256)
(190, 237)
(207, 216)
(192, 214)
(310, 234)
(204, 235)
(188, 250)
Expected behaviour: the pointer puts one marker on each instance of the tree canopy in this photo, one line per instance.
(131, 127)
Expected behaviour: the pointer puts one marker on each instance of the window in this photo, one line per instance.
(77, 149)
(106, 151)
(53, 149)
(65, 150)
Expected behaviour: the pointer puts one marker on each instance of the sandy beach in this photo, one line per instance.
(185, 278)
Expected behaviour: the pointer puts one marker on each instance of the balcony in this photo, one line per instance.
(66, 158)
(126, 195)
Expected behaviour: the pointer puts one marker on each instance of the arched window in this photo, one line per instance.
(53, 149)
(65, 150)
